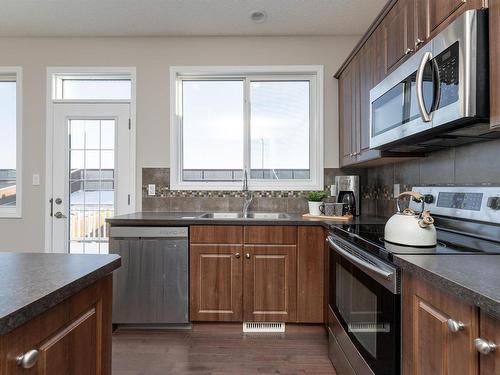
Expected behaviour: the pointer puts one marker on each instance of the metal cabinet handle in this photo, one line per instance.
(408, 51)
(28, 359)
(484, 346)
(237, 255)
(455, 326)
(418, 42)
(247, 255)
(59, 215)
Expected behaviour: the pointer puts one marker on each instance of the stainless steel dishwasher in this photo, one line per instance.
(151, 287)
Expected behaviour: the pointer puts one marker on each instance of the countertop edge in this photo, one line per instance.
(451, 287)
(21, 316)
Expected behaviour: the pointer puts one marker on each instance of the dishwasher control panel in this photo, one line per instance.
(149, 232)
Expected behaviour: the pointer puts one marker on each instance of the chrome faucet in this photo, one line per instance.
(248, 195)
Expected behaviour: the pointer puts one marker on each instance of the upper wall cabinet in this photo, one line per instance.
(402, 28)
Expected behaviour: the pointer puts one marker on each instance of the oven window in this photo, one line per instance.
(388, 110)
(368, 312)
(359, 310)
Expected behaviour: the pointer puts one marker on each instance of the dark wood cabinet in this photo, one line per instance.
(494, 25)
(399, 33)
(270, 283)
(347, 113)
(429, 345)
(216, 282)
(275, 273)
(489, 331)
(311, 283)
(74, 337)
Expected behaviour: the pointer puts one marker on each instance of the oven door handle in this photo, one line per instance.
(360, 262)
(426, 116)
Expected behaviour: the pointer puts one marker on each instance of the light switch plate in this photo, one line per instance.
(397, 190)
(36, 180)
(151, 189)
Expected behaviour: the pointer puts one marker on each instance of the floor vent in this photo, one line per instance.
(256, 327)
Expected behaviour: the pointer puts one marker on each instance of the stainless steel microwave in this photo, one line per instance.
(441, 88)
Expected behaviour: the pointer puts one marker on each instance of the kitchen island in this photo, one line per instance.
(55, 313)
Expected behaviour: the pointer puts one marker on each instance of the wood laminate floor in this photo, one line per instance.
(221, 350)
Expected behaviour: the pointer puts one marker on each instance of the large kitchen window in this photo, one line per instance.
(266, 122)
(10, 142)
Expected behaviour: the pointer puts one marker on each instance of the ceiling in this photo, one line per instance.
(185, 17)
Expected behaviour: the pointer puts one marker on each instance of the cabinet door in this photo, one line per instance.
(366, 72)
(443, 12)
(494, 25)
(345, 116)
(73, 350)
(429, 346)
(270, 278)
(399, 34)
(215, 282)
(490, 332)
(421, 22)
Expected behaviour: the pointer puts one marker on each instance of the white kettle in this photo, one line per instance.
(410, 228)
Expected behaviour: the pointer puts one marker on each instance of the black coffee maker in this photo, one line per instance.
(348, 193)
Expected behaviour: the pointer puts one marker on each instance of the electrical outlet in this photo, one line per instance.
(36, 180)
(397, 190)
(151, 189)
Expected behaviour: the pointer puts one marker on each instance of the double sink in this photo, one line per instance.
(250, 215)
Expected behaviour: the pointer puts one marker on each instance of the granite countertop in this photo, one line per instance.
(473, 278)
(192, 218)
(32, 283)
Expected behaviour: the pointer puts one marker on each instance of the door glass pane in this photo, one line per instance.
(91, 184)
(280, 121)
(212, 126)
(7, 143)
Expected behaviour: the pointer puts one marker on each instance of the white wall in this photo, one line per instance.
(152, 57)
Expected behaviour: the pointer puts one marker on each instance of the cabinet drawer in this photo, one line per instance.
(216, 234)
(271, 235)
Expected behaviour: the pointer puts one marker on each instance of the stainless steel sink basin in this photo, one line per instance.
(250, 215)
(222, 215)
(267, 215)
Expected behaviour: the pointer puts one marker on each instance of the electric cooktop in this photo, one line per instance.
(467, 219)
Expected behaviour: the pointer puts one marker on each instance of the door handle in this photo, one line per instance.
(60, 215)
(426, 116)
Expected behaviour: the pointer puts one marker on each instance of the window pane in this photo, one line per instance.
(279, 129)
(7, 143)
(212, 120)
(96, 89)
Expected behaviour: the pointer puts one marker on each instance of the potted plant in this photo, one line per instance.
(315, 199)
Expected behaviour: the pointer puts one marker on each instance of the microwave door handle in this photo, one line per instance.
(426, 116)
(360, 262)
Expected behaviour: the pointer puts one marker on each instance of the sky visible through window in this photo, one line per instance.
(213, 125)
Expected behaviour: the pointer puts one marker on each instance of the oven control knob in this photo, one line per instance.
(428, 198)
(493, 203)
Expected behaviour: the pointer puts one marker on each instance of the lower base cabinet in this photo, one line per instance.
(259, 273)
(440, 333)
(74, 337)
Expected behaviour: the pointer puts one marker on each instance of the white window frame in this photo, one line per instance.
(313, 73)
(16, 211)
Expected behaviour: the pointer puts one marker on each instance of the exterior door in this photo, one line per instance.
(91, 176)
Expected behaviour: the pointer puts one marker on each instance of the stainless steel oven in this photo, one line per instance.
(364, 311)
(442, 87)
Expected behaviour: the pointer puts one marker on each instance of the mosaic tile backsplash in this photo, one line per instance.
(467, 165)
(188, 200)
